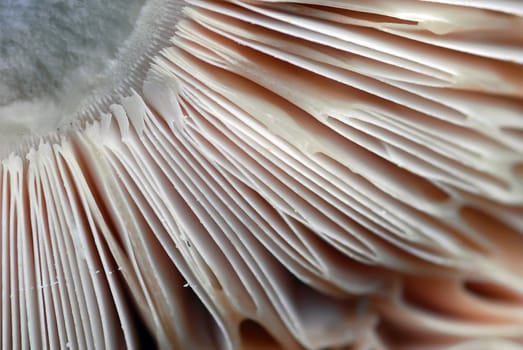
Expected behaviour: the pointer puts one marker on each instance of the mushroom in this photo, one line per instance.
(264, 174)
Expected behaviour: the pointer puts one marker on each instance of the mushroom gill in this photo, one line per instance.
(309, 174)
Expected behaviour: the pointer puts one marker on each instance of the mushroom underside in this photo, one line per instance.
(293, 174)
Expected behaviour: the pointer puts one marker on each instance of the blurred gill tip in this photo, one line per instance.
(271, 174)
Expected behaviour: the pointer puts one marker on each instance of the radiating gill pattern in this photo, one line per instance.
(306, 174)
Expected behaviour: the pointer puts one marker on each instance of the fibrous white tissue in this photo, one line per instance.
(53, 52)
